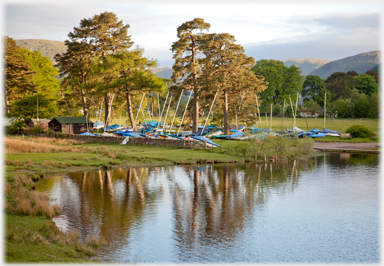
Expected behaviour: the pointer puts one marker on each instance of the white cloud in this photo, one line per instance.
(153, 25)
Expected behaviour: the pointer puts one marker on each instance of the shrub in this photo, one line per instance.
(359, 131)
(17, 126)
(37, 129)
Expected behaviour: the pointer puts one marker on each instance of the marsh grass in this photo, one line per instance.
(34, 239)
(22, 200)
(38, 145)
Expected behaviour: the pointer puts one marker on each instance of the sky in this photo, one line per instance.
(278, 30)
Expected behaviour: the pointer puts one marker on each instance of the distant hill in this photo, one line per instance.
(46, 47)
(307, 65)
(164, 72)
(360, 63)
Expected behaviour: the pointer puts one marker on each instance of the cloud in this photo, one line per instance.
(265, 30)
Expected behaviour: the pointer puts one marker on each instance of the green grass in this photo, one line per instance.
(32, 239)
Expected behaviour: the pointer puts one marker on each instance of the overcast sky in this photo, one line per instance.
(328, 30)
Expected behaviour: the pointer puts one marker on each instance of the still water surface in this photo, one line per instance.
(323, 209)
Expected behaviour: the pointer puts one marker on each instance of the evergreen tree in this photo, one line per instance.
(187, 55)
(95, 38)
(226, 70)
(17, 73)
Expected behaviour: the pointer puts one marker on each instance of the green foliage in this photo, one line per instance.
(46, 75)
(277, 109)
(188, 56)
(17, 73)
(27, 108)
(314, 87)
(282, 81)
(366, 84)
(359, 131)
(312, 107)
(37, 129)
(281, 147)
(339, 85)
(17, 126)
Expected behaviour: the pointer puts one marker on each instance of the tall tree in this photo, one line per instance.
(46, 75)
(314, 88)
(366, 83)
(17, 73)
(340, 85)
(96, 37)
(126, 72)
(282, 81)
(226, 70)
(187, 56)
(75, 67)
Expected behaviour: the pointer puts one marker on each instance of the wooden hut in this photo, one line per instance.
(71, 125)
(43, 122)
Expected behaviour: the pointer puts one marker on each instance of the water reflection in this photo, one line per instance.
(288, 212)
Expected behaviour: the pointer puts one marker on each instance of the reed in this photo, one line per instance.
(15, 145)
(95, 241)
(28, 202)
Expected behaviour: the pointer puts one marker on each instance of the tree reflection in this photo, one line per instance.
(210, 205)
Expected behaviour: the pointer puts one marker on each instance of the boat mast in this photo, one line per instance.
(209, 112)
(182, 119)
(177, 107)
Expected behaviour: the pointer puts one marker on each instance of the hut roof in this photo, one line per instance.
(73, 120)
(41, 120)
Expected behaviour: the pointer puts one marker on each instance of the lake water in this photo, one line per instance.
(323, 209)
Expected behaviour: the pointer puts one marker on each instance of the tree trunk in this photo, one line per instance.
(83, 99)
(106, 113)
(195, 124)
(129, 107)
(6, 103)
(226, 118)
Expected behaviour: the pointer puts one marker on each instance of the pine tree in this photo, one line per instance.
(95, 38)
(17, 73)
(187, 55)
(226, 69)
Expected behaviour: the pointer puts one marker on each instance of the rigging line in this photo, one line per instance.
(134, 124)
(182, 119)
(177, 107)
(293, 113)
(209, 112)
(166, 115)
(162, 112)
(258, 110)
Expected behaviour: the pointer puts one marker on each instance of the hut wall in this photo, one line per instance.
(55, 125)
